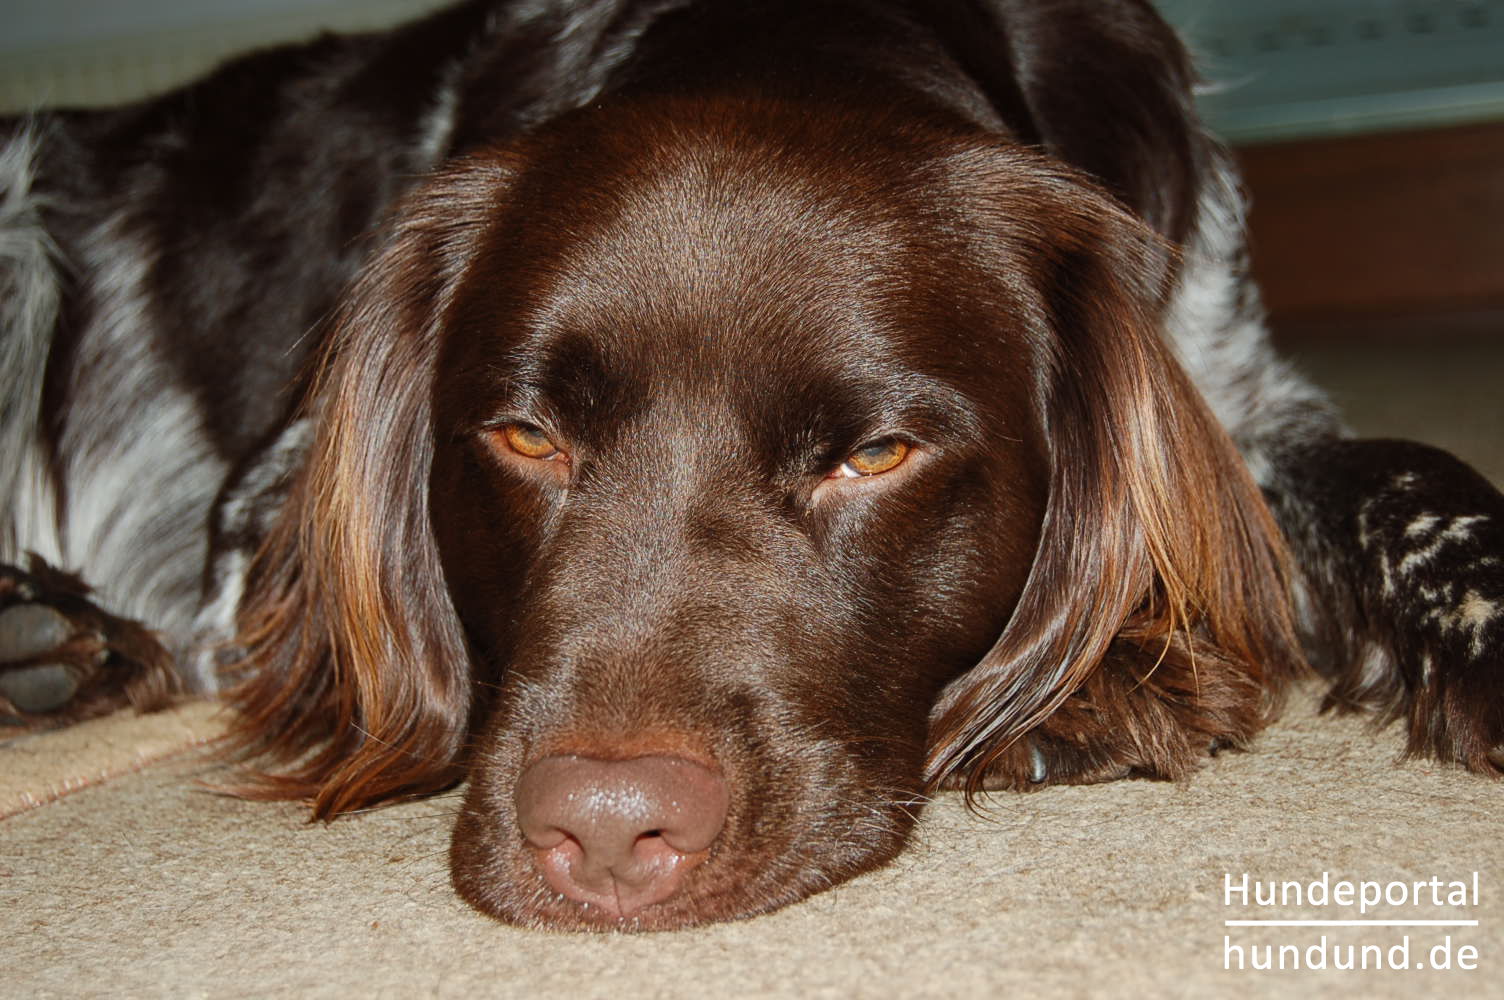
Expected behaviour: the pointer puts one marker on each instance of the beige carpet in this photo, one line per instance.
(120, 877)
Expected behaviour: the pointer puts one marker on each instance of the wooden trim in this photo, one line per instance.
(1399, 224)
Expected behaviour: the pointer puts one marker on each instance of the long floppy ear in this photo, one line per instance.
(1155, 537)
(354, 671)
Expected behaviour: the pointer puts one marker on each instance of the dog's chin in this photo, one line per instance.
(523, 899)
(534, 905)
(495, 871)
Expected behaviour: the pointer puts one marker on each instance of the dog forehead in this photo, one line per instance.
(709, 244)
(741, 201)
(714, 229)
(735, 251)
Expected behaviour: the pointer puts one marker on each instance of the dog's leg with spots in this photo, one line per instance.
(1401, 548)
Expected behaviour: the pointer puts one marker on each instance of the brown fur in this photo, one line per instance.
(1167, 550)
(350, 642)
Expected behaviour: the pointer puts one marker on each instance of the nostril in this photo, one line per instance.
(619, 834)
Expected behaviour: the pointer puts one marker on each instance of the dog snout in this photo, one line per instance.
(619, 834)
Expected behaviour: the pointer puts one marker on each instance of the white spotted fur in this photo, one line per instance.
(136, 475)
(30, 296)
(1215, 322)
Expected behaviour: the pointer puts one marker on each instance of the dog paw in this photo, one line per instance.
(63, 659)
(41, 654)
(1041, 759)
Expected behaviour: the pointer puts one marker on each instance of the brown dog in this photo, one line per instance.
(760, 416)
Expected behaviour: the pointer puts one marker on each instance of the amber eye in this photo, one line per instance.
(530, 442)
(874, 459)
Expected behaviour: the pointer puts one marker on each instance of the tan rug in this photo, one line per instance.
(145, 886)
(39, 768)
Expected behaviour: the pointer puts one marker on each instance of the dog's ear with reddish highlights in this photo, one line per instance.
(354, 674)
(1157, 557)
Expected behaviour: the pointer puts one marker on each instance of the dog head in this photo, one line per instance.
(709, 481)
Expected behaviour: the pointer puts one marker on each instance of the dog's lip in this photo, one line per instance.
(621, 900)
(679, 913)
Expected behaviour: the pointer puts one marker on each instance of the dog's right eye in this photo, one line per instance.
(530, 442)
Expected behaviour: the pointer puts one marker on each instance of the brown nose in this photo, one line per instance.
(619, 834)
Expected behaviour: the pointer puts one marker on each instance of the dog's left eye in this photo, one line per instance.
(530, 442)
(873, 459)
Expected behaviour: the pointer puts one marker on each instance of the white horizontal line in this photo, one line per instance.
(1350, 923)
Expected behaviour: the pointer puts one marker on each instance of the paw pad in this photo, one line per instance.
(64, 659)
(28, 630)
(46, 687)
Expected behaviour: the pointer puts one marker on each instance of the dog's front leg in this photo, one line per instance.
(1400, 548)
